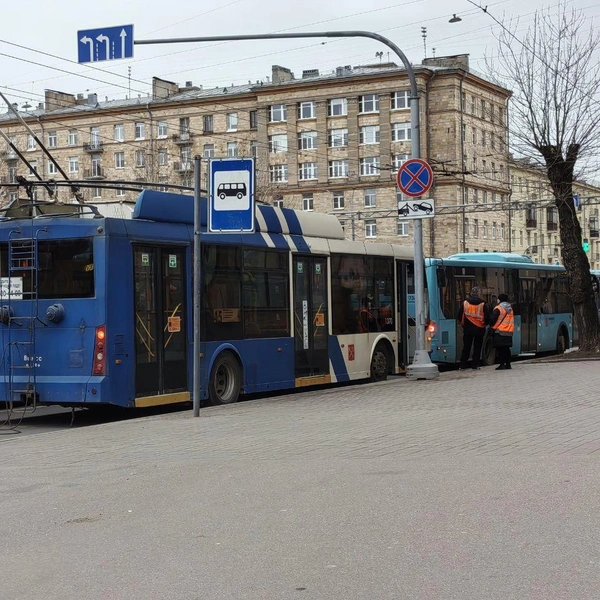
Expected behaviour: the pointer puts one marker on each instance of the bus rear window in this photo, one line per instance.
(65, 268)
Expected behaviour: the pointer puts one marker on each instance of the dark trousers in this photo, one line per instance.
(503, 355)
(471, 340)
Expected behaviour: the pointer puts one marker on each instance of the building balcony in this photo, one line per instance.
(552, 226)
(183, 167)
(594, 233)
(93, 147)
(94, 173)
(530, 222)
(8, 155)
(184, 137)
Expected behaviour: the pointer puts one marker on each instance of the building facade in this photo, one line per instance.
(330, 143)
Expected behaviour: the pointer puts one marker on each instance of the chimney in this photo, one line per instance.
(161, 88)
(310, 73)
(92, 99)
(281, 74)
(339, 71)
(55, 100)
(458, 61)
(188, 84)
(40, 106)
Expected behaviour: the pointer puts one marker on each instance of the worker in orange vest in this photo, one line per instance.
(474, 315)
(503, 324)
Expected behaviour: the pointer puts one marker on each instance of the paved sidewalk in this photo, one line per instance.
(480, 485)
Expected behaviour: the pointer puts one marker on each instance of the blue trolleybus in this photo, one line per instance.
(98, 310)
(538, 294)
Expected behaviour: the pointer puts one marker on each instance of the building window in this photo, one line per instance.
(278, 173)
(163, 157)
(73, 164)
(278, 143)
(31, 145)
(338, 168)
(493, 170)
(140, 158)
(33, 169)
(232, 149)
(475, 228)
(162, 129)
(492, 111)
(254, 148)
(474, 136)
(307, 140)
(72, 138)
(501, 115)
(501, 172)
(483, 139)
(398, 160)
(369, 134)
(463, 101)
(472, 105)
(370, 196)
(96, 192)
(502, 231)
(466, 227)
(401, 132)
(483, 110)
(370, 228)
(307, 202)
(119, 131)
(475, 196)
(51, 169)
(338, 200)
(307, 171)
(493, 140)
(278, 113)
(209, 150)
(278, 203)
(400, 100)
(484, 195)
(493, 230)
(463, 129)
(338, 138)
(232, 121)
(95, 138)
(484, 231)
(253, 119)
(369, 165)
(185, 156)
(474, 164)
(307, 110)
(120, 191)
(52, 139)
(402, 229)
(369, 103)
(207, 124)
(140, 130)
(119, 160)
(337, 107)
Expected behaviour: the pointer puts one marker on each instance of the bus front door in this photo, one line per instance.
(311, 320)
(160, 325)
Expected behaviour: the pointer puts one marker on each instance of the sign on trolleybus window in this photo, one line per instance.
(11, 288)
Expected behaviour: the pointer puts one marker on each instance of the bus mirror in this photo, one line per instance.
(441, 277)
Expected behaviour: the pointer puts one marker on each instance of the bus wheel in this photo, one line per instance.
(379, 363)
(488, 352)
(562, 341)
(225, 380)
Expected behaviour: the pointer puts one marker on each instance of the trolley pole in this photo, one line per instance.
(421, 367)
(197, 283)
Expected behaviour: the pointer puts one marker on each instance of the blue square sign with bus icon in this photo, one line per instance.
(231, 207)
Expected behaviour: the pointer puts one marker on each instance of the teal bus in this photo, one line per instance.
(538, 293)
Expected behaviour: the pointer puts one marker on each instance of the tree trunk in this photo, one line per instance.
(560, 174)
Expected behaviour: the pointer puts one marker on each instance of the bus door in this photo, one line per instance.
(528, 315)
(403, 318)
(160, 322)
(311, 318)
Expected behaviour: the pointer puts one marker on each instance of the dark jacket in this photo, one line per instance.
(468, 327)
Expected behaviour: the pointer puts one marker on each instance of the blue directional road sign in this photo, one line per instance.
(415, 177)
(576, 200)
(231, 207)
(106, 43)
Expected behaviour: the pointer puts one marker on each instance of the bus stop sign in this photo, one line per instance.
(231, 206)
(415, 177)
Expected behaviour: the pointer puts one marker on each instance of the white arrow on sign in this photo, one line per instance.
(86, 40)
(106, 40)
(123, 35)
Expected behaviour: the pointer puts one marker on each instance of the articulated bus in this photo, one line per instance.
(99, 310)
(538, 294)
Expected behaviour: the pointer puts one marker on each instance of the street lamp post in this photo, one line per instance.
(422, 367)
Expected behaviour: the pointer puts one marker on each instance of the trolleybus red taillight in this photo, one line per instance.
(100, 351)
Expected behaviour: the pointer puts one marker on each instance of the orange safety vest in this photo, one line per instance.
(473, 312)
(505, 324)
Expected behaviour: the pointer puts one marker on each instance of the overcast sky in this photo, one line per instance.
(51, 27)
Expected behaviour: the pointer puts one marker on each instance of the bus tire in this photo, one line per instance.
(225, 380)
(488, 352)
(562, 341)
(380, 363)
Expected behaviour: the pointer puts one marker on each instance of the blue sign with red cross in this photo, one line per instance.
(415, 177)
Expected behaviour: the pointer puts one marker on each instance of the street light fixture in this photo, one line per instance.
(455, 19)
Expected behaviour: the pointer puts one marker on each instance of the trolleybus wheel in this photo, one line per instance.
(562, 341)
(379, 364)
(225, 380)
(488, 352)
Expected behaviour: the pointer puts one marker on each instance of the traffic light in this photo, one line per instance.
(586, 245)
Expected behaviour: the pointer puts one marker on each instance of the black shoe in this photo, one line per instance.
(462, 369)
(476, 368)
(508, 366)
(500, 368)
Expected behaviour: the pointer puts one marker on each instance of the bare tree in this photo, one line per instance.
(555, 76)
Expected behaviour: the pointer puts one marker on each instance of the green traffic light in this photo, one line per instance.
(586, 245)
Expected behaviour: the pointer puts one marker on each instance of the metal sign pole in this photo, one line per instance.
(197, 282)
